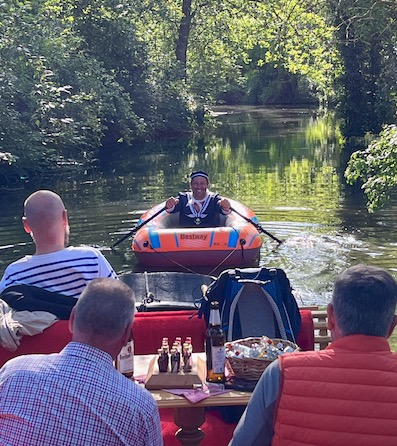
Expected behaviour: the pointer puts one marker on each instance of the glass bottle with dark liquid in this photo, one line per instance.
(215, 347)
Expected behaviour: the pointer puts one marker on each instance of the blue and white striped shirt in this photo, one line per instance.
(66, 272)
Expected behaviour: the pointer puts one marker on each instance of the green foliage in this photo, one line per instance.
(269, 85)
(367, 36)
(76, 74)
(79, 74)
(368, 93)
(300, 38)
(376, 168)
(240, 37)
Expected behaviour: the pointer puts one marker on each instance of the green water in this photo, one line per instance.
(282, 163)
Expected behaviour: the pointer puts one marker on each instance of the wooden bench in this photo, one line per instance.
(322, 336)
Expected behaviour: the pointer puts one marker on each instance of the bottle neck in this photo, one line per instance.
(215, 318)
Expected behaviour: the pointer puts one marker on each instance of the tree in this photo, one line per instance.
(226, 41)
(75, 74)
(367, 32)
(183, 35)
(368, 90)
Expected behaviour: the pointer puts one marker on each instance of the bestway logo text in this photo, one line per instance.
(193, 236)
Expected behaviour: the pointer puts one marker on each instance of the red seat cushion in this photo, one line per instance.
(150, 328)
(306, 335)
(52, 340)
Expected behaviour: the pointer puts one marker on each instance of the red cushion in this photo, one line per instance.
(150, 328)
(306, 335)
(52, 340)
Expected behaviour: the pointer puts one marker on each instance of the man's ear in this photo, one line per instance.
(127, 334)
(330, 316)
(65, 216)
(71, 320)
(26, 225)
(392, 326)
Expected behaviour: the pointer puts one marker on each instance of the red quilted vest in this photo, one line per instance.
(345, 395)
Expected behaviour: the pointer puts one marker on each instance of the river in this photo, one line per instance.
(283, 163)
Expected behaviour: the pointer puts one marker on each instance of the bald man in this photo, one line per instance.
(54, 266)
(46, 220)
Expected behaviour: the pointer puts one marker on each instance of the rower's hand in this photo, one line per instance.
(224, 203)
(171, 202)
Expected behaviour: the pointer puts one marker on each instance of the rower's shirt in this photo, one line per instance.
(67, 271)
(198, 213)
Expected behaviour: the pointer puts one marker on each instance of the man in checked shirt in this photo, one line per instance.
(76, 397)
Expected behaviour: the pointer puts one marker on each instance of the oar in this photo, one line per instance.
(258, 227)
(137, 228)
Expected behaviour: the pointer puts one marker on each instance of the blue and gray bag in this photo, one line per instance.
(254, 302)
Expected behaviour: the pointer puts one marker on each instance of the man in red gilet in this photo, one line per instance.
(343, 395)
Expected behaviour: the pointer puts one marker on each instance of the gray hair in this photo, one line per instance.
(104, 309)
(364, 300)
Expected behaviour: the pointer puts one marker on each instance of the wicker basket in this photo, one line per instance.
(251, 368)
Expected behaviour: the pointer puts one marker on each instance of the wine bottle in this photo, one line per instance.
(215, 347)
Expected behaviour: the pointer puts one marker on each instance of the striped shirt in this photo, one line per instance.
(66, 272)
(74, 398)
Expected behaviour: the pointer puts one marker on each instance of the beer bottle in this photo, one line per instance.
(215, 347)
(187, 357)
(125, 359)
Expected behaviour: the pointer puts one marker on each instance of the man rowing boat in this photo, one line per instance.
(198, 208)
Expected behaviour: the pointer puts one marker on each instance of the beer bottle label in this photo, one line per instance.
(125, 359)
(218, 359)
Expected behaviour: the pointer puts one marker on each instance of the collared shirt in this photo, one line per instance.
(74, 398)
(256, 424)
(207, 215)
(67, 271)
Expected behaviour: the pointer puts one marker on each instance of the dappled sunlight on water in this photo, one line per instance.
(282, 163)
(311, 262)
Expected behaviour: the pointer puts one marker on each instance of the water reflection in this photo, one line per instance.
(283, 163)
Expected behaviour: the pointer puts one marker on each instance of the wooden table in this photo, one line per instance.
(189, 417)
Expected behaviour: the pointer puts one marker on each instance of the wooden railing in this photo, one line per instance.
(322, 336)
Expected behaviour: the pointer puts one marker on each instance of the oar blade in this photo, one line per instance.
(137, 228)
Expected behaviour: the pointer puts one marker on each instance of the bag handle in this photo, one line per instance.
(271, 301)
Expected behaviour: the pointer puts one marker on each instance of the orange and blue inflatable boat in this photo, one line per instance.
(162, 243)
